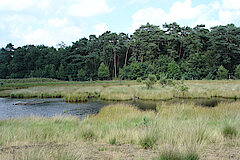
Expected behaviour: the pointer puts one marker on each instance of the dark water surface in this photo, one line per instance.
(52, 107)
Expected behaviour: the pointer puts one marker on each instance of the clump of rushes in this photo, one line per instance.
(229, 131)
(148, 140)
(88, 135)
(76, 97)
(113, 141)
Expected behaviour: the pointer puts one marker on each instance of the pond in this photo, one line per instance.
(14, 108)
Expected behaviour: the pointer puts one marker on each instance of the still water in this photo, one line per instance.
(52, 107)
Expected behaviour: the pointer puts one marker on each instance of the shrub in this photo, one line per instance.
(150, 81)
(139, 79)
(237, 72)
(163, 79)
(222, 73)
(174, 70)
(182, 88)
(81, 74)
(229, 131)
(103, 71)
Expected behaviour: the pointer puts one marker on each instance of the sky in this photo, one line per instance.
(49, 22)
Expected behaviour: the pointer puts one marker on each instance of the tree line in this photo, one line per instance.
(175, 51)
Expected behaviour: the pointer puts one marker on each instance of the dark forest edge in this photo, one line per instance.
(175, 51)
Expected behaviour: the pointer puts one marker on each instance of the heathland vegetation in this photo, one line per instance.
(149, 89)
(181, 131)
(152, 64)
(172, 132)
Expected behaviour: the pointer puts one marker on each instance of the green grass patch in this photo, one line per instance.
(229, 131)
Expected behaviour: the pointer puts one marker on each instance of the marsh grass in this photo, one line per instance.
(155, 93)
(184, 128)
(148, 139)
(119, 90)
(76, 97)
(119, 93)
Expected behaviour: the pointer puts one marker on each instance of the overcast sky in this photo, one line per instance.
(49, 22)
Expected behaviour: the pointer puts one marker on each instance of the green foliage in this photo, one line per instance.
(61, 73)
(180, 52)
(182, 88)
(229, 131)
(139, 80)
(103, 71)
(174, 71)
(222, 73)
(164, 81)
(113, 141)
(81, 74)
(237, 72)
(150, 81)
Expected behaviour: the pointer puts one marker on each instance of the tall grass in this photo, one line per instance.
(119, 90)
(155, 93)
(120, 93)
(184, 128)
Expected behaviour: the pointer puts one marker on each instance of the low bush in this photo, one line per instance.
(139, 80)
(150, 81)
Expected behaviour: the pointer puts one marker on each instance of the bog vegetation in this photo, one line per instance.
(174, 131)
(178, 52)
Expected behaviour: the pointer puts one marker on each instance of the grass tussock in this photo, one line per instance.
(148, 139)
(229, 131)
(76, 97)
